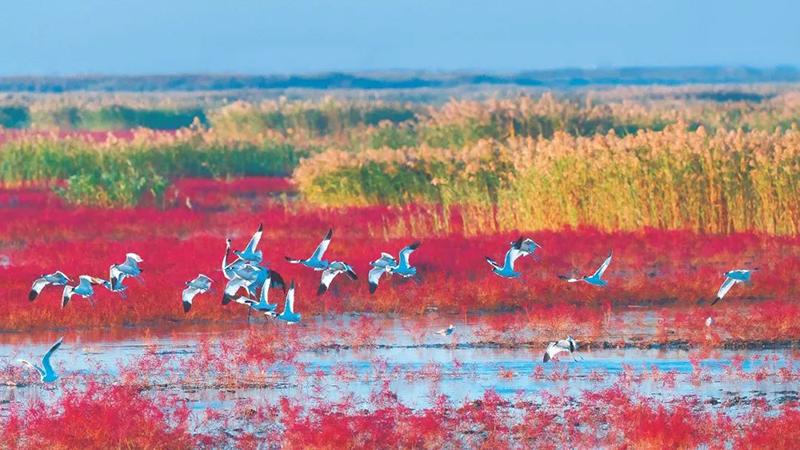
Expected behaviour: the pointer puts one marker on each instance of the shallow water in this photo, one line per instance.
(414, 368)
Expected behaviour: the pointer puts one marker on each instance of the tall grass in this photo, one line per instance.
(719, 182)
(120, 173)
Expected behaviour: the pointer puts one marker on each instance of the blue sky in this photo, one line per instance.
(150, 36)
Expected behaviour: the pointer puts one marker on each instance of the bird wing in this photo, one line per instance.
(251, 246)
(511, 255)
(604, 266)
(569, 279)
(133, 259)
(322, 247)
(384, 261)
(234, 285)
(264, 297)
(327, 277)
(726, 286)
(32, 366)
(187, 295)
(115, 276)
(374, 277)
(552, 350)
(493, 263)
(66, 295)
(289, 300)
(46, 360)
(406, 252)
(36, 288)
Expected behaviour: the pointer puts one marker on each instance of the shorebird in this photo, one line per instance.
(56, 278)
(118, 288)
(46, 372)
(507, 271)
(528, 247)
(199, 285)
(709, 322)
(288, 315)
(229, 270)
(379, 267)
(387, 264)
(250, 253)
(129, 268)
(596, 279)
(335, 268)
(446, 331)
(84, 289)
(564, 345)
(731, 278)
(315, 261)
(254, 276)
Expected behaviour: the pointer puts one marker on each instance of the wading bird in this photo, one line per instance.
(229, 270)
(128, 269)
(564, 345)
(387, 264)
(446, 331)
(199, 285)
(335, 268)
(731, 278)
(56, 278)
(315, 261)
(288, 315)
(84, 289)
(507, 271)
(596, 279)
(46, 371)
(254, 277)
(250, 253)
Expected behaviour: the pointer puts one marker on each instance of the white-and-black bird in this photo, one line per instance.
(387, 264)
(446, 331)
(251, 253)
(46, 372)
(199, 285)
(564, 345)
(128, 269)
(57, 278)
(289, 315)
(315, 261)
(507, 270)
(84, 289)
(528, 247)
(333, 269)
(596, 278)
(731, 278)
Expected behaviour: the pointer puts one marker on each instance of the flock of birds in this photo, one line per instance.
(247, 273)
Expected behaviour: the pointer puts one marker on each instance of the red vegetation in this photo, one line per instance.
(38, 234)
(99, 417)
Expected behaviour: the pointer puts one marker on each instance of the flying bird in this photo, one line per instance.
(379, 267)
(250, 253)
(446, 331)
(731, 278)
(387, 264)
(229, 270)
(288, 315)
(564, 345)
(335, 268)
(315, 261)
(199, 285)
(254, 276)
(507, 270)
(528, 247)
(56, 278)
(46, 371)
(130, 269)
(84, 289)
(596, 278)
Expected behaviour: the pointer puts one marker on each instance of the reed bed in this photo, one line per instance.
(720, 182)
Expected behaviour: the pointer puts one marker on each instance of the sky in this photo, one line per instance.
(305, 36)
